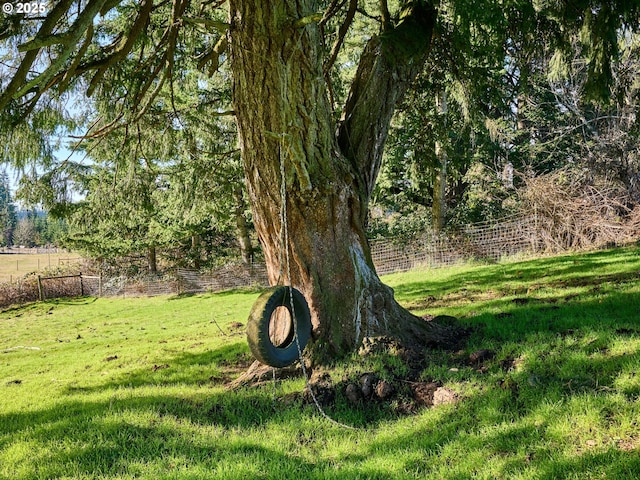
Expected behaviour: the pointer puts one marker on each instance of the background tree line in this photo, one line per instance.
(28, 228)
(481, 129)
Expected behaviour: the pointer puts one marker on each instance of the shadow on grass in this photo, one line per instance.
(459, 445)
(552, 403)
(211, 367)
(220, 293)
(180, 296)
(219, 434)
(71, 301)
(168, 434)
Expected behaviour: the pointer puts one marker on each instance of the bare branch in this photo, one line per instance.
(375, 18)
(207, 22)
(335, 7)
(577, 211)
(102, 131)
(176, 13)
(152, 97)
(108, 6)
(386, 16)
(38, 43)
(147, 85)
(68, 75)
(213, 56)
(342, 31)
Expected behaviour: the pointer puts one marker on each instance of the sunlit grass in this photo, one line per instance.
(134, 388)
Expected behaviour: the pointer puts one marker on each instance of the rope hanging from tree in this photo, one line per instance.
(263, 313)
(290, 349)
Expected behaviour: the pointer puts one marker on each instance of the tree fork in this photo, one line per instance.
(285, 124)
(387, 68)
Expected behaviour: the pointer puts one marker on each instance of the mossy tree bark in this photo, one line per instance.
(286, 127)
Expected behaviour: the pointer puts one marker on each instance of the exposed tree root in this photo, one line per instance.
(442, 332)
(259, 374)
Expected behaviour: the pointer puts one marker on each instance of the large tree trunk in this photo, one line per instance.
(242, 231)
(195, 250)
(286, 130)
(438, 208)
(152, 260)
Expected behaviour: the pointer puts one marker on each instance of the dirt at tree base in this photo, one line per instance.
(396, 383)
(398, 387)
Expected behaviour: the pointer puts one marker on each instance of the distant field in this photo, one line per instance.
(16, 265)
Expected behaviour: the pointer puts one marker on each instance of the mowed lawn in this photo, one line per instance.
(136, 388)
(15, 265)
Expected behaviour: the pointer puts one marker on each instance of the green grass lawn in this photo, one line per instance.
(135, 388)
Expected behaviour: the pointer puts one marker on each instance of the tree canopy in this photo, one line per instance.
(124, 52)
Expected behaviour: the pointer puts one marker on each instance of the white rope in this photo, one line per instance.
(286, 265)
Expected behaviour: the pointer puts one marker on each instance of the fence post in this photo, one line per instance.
(81, 285)
(40, 291)
(100, 285)
(536, 235)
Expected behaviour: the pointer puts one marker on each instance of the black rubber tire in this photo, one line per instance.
(258, 327)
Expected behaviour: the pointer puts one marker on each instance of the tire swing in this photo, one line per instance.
(288, 347)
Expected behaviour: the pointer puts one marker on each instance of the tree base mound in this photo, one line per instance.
(397, 381)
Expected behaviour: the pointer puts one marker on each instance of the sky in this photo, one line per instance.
(14, 175)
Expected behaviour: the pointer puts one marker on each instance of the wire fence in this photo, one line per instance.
(488, 241)
(33, 250)
(518, 236)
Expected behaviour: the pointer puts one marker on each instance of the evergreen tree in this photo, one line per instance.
(8, 217)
